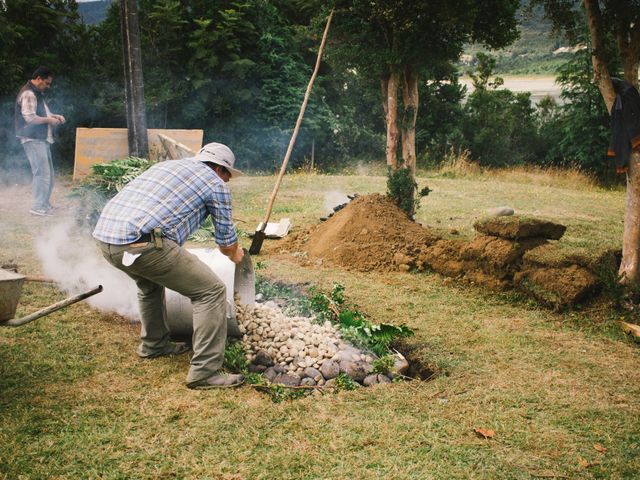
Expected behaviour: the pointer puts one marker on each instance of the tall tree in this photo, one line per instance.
(398, 41)
(619, 20)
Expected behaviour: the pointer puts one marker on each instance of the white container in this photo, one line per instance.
(238, 279)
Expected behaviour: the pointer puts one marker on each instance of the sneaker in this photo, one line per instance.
(40, 213)
(171, 349)
(219, 380)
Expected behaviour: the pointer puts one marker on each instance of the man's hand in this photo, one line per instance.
(234, 252)
(54, 119)
(238, 256)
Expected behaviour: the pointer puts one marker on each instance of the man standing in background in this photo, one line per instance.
(34, 122)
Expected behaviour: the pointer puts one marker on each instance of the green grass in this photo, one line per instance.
(76, 402)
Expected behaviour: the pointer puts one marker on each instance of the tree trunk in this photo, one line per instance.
(389, 86)
(631, 236)
(628, 39)
(629, 50)
(410, 101)
(600, 71)
(134, 85)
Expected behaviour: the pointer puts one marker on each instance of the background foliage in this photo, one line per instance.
(239, 69)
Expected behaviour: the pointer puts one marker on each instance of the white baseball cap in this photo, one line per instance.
(220, 155)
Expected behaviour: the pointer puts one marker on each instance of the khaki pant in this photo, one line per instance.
(174, 267)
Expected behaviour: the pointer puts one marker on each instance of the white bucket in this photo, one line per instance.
(238, 279)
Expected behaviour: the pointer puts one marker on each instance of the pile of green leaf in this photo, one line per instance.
(354, 326)
(102, 184)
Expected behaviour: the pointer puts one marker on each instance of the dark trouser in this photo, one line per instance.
(174, 267)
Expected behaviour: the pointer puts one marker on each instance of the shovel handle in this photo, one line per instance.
(17, 322)
(297, 127)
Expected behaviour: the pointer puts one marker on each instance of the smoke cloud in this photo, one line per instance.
(75, 263)
(333, 199)
(14, 170)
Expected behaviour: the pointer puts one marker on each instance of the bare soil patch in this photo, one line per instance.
(366, 235)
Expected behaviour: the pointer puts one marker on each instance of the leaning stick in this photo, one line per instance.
(258, 236)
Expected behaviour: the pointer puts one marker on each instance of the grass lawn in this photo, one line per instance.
(560, 390)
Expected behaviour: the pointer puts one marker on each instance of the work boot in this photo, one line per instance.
(169, 350)
(218, 380)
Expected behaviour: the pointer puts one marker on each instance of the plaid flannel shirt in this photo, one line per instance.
(176, 196)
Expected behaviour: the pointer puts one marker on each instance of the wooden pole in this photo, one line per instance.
(50, 309)
(134, 84)
(313, 153)
(258, 237)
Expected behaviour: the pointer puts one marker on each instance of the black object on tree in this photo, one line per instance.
(134, 85)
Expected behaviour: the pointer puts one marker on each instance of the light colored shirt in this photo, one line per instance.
(176, 196)
(28, 105)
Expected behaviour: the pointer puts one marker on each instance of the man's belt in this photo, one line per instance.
(154, 236)
(144, 238)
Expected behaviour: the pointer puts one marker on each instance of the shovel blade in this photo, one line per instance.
(256, 243)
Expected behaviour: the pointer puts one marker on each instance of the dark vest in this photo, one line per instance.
(29, 130)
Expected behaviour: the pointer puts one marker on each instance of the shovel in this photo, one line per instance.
(258, 236)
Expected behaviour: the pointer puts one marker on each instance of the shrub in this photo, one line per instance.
(403, 190)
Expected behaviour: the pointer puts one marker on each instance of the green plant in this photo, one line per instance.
(344, 382)
(296, 303)
(353, 324)
(372, 336)
(111, 177)
(205, 233)
(235, 358)
(383, 364)
(254, 378)
(280, 393)
(403, 190)
(235, 361)
(104, 182)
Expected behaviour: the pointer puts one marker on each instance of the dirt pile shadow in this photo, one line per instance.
(373, 234)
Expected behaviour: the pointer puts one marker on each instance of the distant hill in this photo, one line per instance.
(537, 52)
(94, 12)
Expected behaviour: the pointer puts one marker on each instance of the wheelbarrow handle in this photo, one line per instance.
(17, 322)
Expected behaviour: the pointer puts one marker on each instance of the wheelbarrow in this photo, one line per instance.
(10, 291)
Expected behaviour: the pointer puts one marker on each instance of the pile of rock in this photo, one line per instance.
(297, 351)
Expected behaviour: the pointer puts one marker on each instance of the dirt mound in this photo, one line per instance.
(372, 233)
(366, 235)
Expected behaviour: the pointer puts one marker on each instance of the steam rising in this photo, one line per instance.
(14, 169)
(76, 265)
(333, 199)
